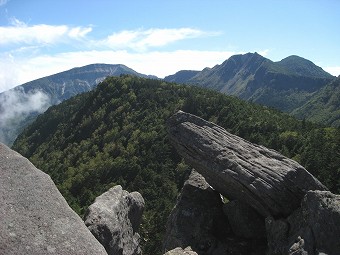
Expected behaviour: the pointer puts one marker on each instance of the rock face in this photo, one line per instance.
(264, 179)
(313, 229)
(197, 218)
(198, 224)
(114, 219)
(35, 218)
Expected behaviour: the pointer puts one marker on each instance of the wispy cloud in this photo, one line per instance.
(139, 40)
(3, 2)
(20, 33)
(143, 39)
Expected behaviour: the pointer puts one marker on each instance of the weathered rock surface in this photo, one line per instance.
(264, 179)
(244, 220)
(114, 220)
(311, 230)
(34, 217)
(198, 222)
(197, 218)
(180, 251)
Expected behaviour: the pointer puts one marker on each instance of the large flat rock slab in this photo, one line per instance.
(34, 216)
(263, 178)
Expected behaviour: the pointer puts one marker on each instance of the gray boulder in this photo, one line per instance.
(313, 229)
(35, 218)
(264, 179)
(180, 251)
(114, 220)
(197, 218)
(198, 222)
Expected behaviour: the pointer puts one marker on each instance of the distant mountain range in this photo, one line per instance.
(285, 85)
(294, 85)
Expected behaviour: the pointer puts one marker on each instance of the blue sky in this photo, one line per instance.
(43, 37)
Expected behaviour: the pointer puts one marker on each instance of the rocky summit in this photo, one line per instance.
(35, 218)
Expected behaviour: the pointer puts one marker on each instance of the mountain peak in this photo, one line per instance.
(303, 67)
(246, 56)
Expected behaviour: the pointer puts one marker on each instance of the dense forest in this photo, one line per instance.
(116, 134)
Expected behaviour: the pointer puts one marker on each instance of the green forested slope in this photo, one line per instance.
(116, 134)
(324, 106)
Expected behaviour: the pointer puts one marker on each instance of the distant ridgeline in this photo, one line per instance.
(116, 134)
(294, 85)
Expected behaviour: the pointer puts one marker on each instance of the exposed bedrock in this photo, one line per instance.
(272, 184)
(198, 224)
(311, 230)
(34, 217)
(114, 220)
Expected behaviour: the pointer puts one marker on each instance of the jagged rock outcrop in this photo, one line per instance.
(114, 220)
(198, 222)
(311, 230)
(34, 217)
(264, 179)
(197, 218)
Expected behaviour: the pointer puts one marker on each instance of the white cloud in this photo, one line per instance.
(140, 40)
(3, 2)
(333, 70)
(21, 33)
(15, 106)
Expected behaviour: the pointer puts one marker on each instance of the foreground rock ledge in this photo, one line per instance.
(34, 217)
(266, 180)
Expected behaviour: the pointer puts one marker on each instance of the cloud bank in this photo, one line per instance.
(16, 106)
